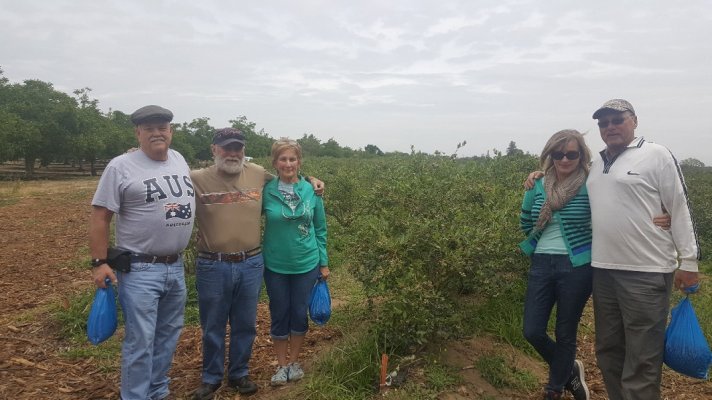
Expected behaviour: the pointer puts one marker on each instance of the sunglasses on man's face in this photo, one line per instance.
(233, 147)
(559, 155)
(615, 121)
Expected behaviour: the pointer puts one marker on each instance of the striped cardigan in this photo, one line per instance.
(574, 222)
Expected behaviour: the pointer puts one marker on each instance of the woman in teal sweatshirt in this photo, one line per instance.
(294, 249)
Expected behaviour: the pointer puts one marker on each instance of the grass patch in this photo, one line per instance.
(439, 377)
(10, 194)
(72, 316)
(348, 371)
(192, 313)
(500, 374)
(501, 316)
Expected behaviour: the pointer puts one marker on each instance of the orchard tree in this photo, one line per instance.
(373, 150)
(311, 145)
(512, 149)
(93, 131)
(199, 135)
(258, 143)
(41, 122)
(692, 162)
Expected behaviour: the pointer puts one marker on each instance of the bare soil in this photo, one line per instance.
(44, 234)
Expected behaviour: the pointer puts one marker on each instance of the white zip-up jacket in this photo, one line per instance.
(626, 192)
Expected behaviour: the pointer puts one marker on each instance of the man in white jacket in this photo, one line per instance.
(636, 262)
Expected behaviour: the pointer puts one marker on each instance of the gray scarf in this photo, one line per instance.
(558, 193)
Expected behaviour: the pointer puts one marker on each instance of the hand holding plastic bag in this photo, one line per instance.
(102, 320)
(320, 303)
(686, 348)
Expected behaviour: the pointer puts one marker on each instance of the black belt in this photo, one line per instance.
(147, 258)
(230, 257)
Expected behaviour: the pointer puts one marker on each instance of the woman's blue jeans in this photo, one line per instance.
(228, 291)
(288, 302)
(554, 281)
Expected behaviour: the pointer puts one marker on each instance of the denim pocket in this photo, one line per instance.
(204, 264)
(256, 261)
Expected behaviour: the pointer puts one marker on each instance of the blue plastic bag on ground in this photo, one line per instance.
(102, 320)
(320, 303)
(686, 348)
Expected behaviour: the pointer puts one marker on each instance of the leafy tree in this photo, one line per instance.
(692, 162)
(332, 149)
(93, 130)
(311, 146)
(44, 118)
(121, 135)
(258, 143)
(373, 150)
(512, 149)
(199, 135)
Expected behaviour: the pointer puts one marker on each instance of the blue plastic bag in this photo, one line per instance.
(320, 303)
(102, 320)
(686, 348)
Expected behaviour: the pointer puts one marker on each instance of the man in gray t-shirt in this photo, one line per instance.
(151, 193)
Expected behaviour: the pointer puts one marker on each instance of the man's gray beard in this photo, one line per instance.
(232, 168)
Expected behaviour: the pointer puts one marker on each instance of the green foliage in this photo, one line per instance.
(699, 189)
(421, 254)
(72, 316)
(692, 162)
(350, 372)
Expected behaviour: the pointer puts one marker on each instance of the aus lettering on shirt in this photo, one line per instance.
(156, 188)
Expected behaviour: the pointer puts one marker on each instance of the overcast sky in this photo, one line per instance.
(393, 73)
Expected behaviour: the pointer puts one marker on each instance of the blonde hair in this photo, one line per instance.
(282, 144)
(558, 141)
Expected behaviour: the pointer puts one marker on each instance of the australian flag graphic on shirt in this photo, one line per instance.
(175, 210)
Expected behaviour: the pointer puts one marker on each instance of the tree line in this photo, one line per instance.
(39, 123)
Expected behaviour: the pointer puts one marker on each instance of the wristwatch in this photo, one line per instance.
(95, 262)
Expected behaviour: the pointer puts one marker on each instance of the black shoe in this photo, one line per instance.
(577, 383)
(552, 395)
(205, 391)
(243, 385)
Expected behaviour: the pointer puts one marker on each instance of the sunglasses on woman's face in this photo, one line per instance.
(571, 155)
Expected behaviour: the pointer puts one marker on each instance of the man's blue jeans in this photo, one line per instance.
(554, 281)
(228, 291)
(152, 298)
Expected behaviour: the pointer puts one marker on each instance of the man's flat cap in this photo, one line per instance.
(151, 113)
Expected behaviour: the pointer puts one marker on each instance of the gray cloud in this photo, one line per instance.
(395, 73)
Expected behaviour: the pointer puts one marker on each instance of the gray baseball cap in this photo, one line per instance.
(615, 105)
(151, 113)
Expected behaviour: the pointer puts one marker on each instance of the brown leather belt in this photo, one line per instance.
(230, 257)
(147, 258)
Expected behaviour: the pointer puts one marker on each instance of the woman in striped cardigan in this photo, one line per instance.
(557, 220)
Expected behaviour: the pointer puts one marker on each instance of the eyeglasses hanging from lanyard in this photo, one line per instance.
(294, 213)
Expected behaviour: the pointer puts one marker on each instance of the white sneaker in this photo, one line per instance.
(280, 377)
(295, 371)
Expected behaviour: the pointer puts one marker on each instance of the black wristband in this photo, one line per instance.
(96, 262)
